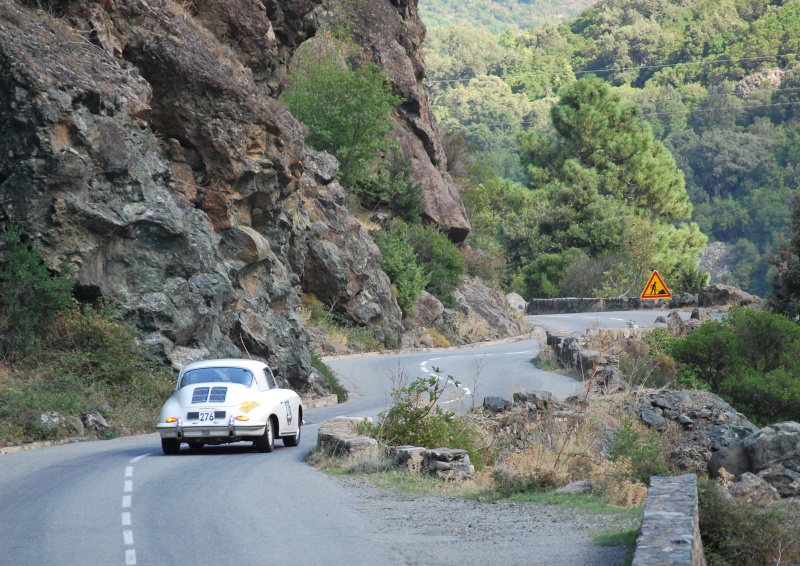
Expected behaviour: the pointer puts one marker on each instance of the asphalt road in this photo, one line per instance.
(121, 502)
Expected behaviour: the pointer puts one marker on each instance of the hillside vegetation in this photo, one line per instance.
(499, 15)
(715, 85)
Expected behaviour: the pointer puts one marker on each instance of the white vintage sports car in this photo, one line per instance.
(224, 401)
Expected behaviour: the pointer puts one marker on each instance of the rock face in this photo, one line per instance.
(141, 146)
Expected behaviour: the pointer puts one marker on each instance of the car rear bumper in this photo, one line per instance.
(188, 431)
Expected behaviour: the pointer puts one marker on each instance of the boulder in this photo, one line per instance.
(718, 295)
(732, 458)
(449, 464)
(536, 400)
(753, 490)
(771, 443)
(784, 480)
(495, 404)
(516, 302)
(427, 310)
(341, 436)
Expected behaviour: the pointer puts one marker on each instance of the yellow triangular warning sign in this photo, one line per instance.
(655, 288)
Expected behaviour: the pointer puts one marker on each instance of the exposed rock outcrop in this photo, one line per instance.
(141, 147)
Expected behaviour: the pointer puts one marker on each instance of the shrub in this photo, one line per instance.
(330, 376)
(643, 451)
(441, 261)
(400, 264)
(29, 297)
(347, 105)
(750, 358)
(742, 534)
(393, 188)
(416, 418)
(434, 254)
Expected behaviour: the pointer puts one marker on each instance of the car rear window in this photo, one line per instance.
(217, 375)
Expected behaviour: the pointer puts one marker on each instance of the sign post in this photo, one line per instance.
(655, 288)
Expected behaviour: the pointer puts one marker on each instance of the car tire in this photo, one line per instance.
(170, 446)
(266, 442)
(294, 439)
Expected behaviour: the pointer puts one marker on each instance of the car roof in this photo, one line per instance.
(252, 365)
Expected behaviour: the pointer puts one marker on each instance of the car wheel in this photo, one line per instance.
(170, 446)
(266, 442)
(294, 439)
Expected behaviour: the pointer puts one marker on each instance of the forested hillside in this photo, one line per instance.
(498, 15)
(713, 84)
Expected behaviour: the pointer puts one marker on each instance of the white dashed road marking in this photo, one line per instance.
(127, 500)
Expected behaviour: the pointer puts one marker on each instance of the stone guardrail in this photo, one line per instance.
(573, 304)
(670, 531)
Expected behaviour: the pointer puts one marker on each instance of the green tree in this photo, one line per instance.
(30, 297)
(600, 132)
(605, 174)
(346, 104)
(784, 297)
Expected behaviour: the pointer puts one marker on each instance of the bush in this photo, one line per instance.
(400, 264)
(742, 534)
(393, 188)
(29, 297)
(438, 258)
(67, 358)
(330, 376)
(347, 105)
(643, 451)
(749, 358)
(416, 418)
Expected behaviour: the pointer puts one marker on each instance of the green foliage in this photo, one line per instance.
(330, 376)
(440, 260)
(598, 132)
(543, 276)
(742, 534)
(346, 104)
(751, 359)
(785, 295)
(89, 361)
(416, 418)
(681, 64)
(493, 15)
(645, 452)
(67, 358)
(30, 297)
(418, 258)
(400, 263)
(393, 188)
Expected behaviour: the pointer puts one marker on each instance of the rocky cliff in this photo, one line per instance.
(142, 148)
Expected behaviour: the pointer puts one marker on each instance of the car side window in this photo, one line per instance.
(270, 378)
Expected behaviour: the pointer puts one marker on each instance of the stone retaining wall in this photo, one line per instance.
(670, 532)
(568, 305)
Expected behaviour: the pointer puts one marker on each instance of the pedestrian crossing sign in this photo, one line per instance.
(655, 288)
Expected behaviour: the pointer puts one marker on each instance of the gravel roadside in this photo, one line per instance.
(449, 530)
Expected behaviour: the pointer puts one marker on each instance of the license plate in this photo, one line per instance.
(206, 416)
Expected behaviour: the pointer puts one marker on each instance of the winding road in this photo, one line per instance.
(122, 502)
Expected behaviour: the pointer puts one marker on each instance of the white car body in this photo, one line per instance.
(229, 400)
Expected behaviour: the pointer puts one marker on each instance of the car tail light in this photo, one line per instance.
(242, 418)
(172, 419)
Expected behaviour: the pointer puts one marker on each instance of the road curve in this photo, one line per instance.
(122, 502)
